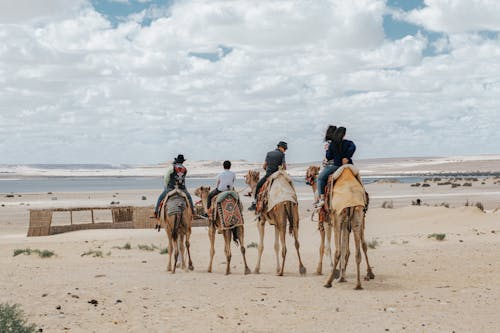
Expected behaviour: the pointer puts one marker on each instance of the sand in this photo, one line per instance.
(421, 284)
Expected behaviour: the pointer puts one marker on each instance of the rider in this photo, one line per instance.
(176, 174)
(338, 152)
(274, 159)
(225, 182)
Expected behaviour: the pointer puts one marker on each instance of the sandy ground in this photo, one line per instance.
(421, 284)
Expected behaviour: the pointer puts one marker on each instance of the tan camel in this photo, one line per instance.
(311, 179)
(251, 179)
(279, 213)
(178, 227)
(202, 193)
(237, 232)
(347, 204)
(325, 232)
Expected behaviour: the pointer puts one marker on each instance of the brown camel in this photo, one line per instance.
(237, 231)
(347, 204)
(311, 179)
(281, 212)
(251, 179)
(325, 231)
(178, 227)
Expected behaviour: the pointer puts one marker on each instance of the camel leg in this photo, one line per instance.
(369, 273)
(170, 250)
(211, 237)
(319, 269)
(188, 245)
(282, 234)
(260, 226)
(277, 248)
(227, 250)
(176, 255)
(302, 268)
(241, 238)
(357, 221)
(336, 236)
(181, 249)
(328, 231)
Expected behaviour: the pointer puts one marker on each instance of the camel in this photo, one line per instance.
(178, 227)
(279, 210)
(251, 179)
(347, 204)
(311, 179)
(237, 232)
(202, 193)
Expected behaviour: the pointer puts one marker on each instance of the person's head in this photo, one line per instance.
(338, 136)
(329, 132)
(226, 165)
(283, 146)
(179, 159)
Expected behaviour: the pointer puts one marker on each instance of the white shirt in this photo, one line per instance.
(226, 180)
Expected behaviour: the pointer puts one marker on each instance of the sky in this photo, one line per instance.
(140, 81)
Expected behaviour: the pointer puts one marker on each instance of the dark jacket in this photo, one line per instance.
(348, 149)
(274, 160)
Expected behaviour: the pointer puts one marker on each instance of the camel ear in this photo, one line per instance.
(208, 188)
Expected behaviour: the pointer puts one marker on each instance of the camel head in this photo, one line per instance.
(312, 173)
(252, 177)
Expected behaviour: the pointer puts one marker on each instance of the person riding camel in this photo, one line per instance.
(338, 152)
(175, 175)
(274, 160)
(225, 182)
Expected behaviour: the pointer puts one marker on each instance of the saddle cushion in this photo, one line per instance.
(281, 189)
(347, 190)
(229, 211)
(175, 202)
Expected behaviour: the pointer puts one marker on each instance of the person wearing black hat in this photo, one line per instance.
(176, 174)
(274, 160)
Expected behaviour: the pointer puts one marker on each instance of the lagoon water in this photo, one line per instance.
(85, 184)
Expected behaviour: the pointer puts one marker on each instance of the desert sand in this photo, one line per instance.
(421, 284)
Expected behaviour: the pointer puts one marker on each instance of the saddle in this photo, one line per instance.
(277, 188)
(345, 198)
(227, 206)
(175, 202)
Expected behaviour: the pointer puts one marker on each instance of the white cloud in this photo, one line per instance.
(451, 16)
(74, 88)
(26, 10)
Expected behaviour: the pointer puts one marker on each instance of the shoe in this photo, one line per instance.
(205, 215)
(252, 207)
(320, 204)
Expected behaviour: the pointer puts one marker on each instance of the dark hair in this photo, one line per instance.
(227, 165)
(338, 136)
(329, 132)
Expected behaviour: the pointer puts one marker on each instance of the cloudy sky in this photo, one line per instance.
(138, 81)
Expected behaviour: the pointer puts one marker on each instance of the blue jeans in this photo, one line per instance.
(323, 177)
(164, 194)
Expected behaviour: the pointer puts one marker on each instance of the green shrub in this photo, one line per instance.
(93, 253)
(12, 320)
(127, 246)
(145, 247)
(438, 237)
(164, 250)
(252, 244)
(373, 243)
(28, 251)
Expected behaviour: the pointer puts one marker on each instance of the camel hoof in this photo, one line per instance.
(247, 271)
(279, 273)
(370, 275)
(358, 288)
(302, 270)
(319, 272)
(227, 273)
(336, 274)
(256, 271)
(328, 285)
(191, 267)
(342, 280)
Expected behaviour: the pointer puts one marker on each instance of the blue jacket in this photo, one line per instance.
(348, 149)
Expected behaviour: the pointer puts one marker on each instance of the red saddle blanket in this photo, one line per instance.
(229, 212)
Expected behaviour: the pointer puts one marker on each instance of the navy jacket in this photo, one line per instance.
(348, 149)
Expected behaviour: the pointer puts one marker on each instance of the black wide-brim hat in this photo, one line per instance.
(179, 159)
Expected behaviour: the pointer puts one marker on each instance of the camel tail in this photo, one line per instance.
(177, 223)
(236, 235)
(289, 215)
